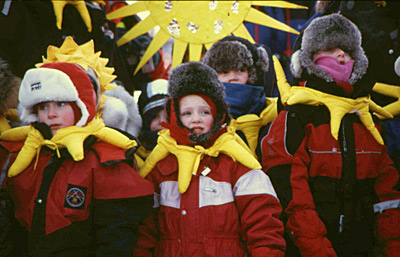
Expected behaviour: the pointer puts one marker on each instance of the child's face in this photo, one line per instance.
(239, 76)
(56, 115)
(337, 53)
(155, 124)
(195, 114)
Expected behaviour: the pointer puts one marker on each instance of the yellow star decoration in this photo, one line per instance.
(250, 124)
(85, 56)
(196, 23)
(80, 5)
(380, 3)
(71, 138)
(9, 115)
(337, 106)
(189, 158)
(58, 7)
(392, 91)
(283, 85)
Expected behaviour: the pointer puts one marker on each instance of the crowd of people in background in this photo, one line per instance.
(289, 146)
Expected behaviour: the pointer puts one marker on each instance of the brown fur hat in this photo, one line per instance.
(197, 78)
(235, 53)
(325, 33)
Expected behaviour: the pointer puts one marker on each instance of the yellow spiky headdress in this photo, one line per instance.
(85, 56)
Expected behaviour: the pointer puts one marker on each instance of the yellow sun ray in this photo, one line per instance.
(123, 12)
(241, 31)
(157, 42)
(259, 17)
(139, 29)
(280, 4)
(195, 52)
(194, 24)
(178, 52)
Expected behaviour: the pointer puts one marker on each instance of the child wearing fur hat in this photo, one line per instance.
(244, 69)
(211, 198)
(324, 154)
(67, 175)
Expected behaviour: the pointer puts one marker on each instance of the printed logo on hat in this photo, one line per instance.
(36, 86)
(75, 197)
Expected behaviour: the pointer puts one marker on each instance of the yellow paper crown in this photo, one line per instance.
(85, 56)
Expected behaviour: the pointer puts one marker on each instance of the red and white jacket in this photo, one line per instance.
(85, 208)
(339, 196)
(228, 210)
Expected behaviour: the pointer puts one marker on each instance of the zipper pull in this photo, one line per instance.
(341, 223)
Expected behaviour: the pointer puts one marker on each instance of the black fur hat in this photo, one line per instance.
(197, 78)
(325, 33)
(235, 53)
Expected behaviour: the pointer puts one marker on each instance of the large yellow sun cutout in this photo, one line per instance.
(196, 23)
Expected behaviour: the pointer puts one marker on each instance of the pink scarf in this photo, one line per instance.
(339, 72)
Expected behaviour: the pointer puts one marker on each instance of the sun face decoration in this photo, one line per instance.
(196, 24)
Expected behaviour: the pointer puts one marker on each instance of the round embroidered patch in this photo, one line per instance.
(75, 197)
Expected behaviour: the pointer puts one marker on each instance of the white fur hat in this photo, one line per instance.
(121, 111)
(57, 82)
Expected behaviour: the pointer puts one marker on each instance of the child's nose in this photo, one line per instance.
(52, 112)
(196, 117)
(340, 53)
(232, 76)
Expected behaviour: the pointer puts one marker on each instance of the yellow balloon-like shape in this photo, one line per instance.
(283, 85)
(250, 124)
(71, 138)
(79, 5)
(392, 91)
(189, 157)
(338, 107)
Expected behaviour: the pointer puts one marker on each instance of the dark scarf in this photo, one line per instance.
(244, 99)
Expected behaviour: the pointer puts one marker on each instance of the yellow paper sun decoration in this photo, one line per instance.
(85, 56)
(196, 23)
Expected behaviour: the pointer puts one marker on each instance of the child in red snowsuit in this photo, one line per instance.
(68, 178)
(212, 199)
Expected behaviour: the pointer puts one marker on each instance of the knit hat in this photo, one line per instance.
(152, 100)
(57, 82)
(153, 97)
(233, 52)
(325, 33)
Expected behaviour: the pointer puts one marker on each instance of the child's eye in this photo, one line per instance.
(42, 107)
(242, 69)
(206, 112)
(185, 113)
(61, 104)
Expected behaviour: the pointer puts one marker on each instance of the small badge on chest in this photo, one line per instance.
(75, 197)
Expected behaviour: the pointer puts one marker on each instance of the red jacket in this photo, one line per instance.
(332, 191)
(83, 207)
(230, 211)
